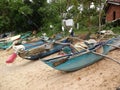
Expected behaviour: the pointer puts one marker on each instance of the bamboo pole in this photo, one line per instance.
(102, 55)
(107, 57)
(113, 46)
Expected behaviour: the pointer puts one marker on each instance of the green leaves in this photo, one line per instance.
(4, 23)
(26, 15)
(26, 10)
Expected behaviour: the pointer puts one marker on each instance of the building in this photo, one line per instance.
(112, 10)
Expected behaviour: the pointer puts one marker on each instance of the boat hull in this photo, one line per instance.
(45, 53)
(77, 61)
(80, 60)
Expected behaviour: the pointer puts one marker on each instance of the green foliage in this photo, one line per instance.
(20, 16)
(116, 29)
(26, 15)
(25, 10)
(52, 16)
(4, 22)
(115, 26)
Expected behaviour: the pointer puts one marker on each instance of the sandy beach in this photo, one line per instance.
(35, 75)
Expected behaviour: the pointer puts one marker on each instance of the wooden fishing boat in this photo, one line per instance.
(38, 49)
(7, 42)
(81, 58)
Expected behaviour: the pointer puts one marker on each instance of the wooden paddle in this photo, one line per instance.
(102, 55)
(106, 57)
(113, 46)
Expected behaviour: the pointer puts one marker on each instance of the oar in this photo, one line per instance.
(113, 46)
(62, 43)
(101, 37)
(102, 55)
(106, 57)
(74, 47)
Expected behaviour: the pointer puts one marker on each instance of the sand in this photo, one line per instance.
(35, 75)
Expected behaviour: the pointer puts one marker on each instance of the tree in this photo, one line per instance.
(27, 15)
(18, 15)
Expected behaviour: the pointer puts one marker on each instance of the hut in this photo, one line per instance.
(112, 10)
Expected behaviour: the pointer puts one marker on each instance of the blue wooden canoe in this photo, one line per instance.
(45, 52)
(81, 59)
(39, 49)
(34, 44)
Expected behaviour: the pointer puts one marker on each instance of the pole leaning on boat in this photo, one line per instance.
(106, 56)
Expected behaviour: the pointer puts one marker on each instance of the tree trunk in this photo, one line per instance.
(89, 19)
(100, 13)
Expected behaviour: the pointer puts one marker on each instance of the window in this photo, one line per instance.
(114, 15)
